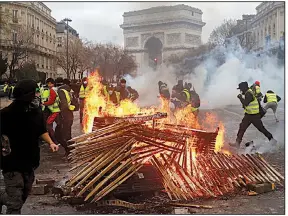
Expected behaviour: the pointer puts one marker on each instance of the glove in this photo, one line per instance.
(239, 96)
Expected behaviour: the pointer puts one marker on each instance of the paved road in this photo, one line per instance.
(268, 203)
(231, 117)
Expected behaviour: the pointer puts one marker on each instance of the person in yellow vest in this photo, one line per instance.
(186, 100)
(111, 95)
(52, 104)
(252, 115)
(11, 90)
(5, 89)
(66, 114)
(271, 100)
(257, 91)
(82, 96)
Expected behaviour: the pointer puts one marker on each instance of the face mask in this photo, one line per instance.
(35, 103)
(110, 92)
(85, 82)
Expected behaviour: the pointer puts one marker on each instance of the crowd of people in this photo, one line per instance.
(37, 107)
(183, 95)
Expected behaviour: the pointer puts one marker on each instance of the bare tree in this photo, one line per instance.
(19, 45)
(223, 32)
(75, 47)
(112, 60)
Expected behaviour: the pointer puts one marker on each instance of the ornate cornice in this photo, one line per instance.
(163, 22)
(163, 27)
(267, 11)
(174, 48)
(162, 9)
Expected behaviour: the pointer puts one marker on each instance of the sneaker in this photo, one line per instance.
(273, 142)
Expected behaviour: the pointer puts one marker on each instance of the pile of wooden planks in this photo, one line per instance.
(184, 157)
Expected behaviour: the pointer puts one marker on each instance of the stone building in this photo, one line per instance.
(35, 17)
(268, 25)
(61, 35)
(153, 34)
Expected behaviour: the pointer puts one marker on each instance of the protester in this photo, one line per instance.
(252, 115)
(52, 105)
(124, 93)
(22, 123)
(82, 96)
(272, 101)
(66, 115)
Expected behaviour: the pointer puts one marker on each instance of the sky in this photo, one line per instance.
(100, 21)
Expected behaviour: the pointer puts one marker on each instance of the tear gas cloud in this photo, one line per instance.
(215, 84)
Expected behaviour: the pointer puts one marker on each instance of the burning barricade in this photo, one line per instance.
(189, 161)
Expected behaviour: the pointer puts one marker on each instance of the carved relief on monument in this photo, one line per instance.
(174, 38)
(163, 27)
(192, 39)
(144, 38)
(132, 42)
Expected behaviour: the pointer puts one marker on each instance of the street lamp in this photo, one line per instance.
(67, 20)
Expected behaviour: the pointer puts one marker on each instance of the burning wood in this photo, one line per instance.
(184, 157)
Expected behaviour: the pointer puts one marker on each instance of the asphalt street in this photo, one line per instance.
(232, 116)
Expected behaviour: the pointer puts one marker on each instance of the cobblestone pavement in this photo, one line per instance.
(54, 165)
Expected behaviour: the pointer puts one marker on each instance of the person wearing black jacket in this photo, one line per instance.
(252, 115)
(271, 100)
(22, 123)
(124, 93)
(66, 116)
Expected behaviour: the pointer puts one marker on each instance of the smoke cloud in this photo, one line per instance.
(216, 84)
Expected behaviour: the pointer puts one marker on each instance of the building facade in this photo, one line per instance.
(268, 25)
(61, 35)
(35, 18)
(151, 35)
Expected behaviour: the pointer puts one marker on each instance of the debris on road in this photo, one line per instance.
(261, 188)
(191, 205)
(184, 157)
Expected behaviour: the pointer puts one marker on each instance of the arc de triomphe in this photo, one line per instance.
(154, 34)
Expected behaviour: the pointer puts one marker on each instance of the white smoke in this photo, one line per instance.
(216, 85)
(147, 84)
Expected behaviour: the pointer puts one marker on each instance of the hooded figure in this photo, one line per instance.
(22, 123)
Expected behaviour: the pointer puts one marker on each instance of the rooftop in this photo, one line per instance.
(160, 9)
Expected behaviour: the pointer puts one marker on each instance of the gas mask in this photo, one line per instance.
(35, 103)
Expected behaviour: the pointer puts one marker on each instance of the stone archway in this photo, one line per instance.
(153, 51)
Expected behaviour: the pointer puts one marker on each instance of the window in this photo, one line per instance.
(15, 18)
(15, 13)
(192, 13)
(14, 37)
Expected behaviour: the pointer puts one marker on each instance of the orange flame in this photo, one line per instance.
(95, 99)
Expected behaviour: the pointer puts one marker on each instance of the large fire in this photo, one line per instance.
(96, 105)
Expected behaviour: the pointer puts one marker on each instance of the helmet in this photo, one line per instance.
(257, 83)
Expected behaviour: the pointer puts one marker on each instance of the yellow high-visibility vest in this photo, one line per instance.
(5, 88)
(187, 93)
(82, 92)
(271, 97)
(68, 98)
(253, 106)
